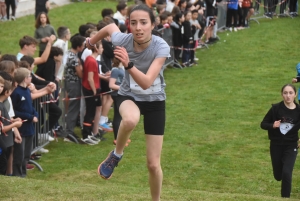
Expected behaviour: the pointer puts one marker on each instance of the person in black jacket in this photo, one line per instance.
(177, 35)
(282, 123)
(41, 6)
(187, 39)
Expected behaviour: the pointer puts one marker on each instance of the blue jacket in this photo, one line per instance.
(22, 103)
(233, 4)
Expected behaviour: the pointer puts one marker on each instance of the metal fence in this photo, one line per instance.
(41, 138)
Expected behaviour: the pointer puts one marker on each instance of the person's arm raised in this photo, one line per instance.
(44, 57)
(102, 33)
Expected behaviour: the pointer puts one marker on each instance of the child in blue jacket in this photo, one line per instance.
(22, 104)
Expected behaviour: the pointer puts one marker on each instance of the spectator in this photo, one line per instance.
(187, 39)
(28, 48)
(3, 11)
(163, 20)
(47, 70)
(108, 12)
(175, 11)
(73, 74)
(91, 89)
(182, 5)
(120, 15)
(22, 103)
(170, 5)
(41, 6)
(232, 12)
(246, 5)
(64, 35)
(196, 26)
(44, 31)
(11, 4)
(177, 35)
(7, 141)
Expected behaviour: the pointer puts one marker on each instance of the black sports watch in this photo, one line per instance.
(130, 65)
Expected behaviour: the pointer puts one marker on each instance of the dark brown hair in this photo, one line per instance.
(38, 20)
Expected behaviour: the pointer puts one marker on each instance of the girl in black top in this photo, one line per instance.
(177, 34)
(188, 39)
(282, 123)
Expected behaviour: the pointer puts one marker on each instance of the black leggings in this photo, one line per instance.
(283, 159)
(12, 4)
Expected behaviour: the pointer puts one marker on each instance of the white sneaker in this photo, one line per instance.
(13, 18)
(235, 29)
(196, 59)
(46, 136)
(230, 29)
(88, 141)
(50, 138)
(92, 137)
(44, 151)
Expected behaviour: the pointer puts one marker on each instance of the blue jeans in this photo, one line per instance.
(186, 54)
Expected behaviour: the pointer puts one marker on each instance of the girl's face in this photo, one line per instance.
(157, 20)
(288, 95)
(170, 19)
(141, 26)
(43, 19)
(31, 67)
(100, 49)
(183, 5)
(188, 16)
(182, 19)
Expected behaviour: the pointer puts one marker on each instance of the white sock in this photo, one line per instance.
(118, 155)
(102, 120)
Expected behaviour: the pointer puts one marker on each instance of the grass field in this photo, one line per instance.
(213, 149)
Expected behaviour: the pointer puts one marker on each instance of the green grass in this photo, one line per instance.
(213, 149)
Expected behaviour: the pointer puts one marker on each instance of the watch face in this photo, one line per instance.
(130, 64)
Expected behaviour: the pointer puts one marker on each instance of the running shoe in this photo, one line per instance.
(88, 141)
(106, 168)
(106, 127)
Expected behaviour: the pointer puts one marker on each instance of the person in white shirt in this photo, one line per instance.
(64, 35)
(120, 15)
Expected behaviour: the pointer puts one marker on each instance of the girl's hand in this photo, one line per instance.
(276, 124)
(122, 55)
